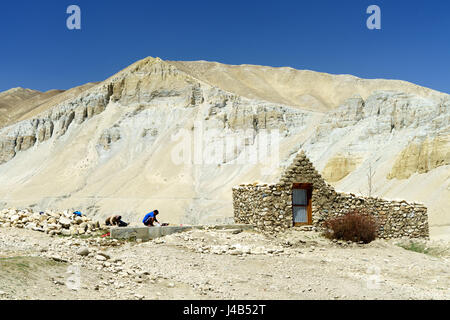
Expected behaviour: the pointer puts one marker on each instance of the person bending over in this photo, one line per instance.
(115, 221)
(150, 219)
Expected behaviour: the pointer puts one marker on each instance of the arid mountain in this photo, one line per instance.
(10, 100)
(178, 135)
(49, 99)
(20, 104)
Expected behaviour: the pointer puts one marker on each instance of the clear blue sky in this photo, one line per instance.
(37, 50)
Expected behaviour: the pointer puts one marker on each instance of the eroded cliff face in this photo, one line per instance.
(339, 166)
(157, 136)
(421, 156)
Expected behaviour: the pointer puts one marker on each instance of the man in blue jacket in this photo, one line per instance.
(150, 218)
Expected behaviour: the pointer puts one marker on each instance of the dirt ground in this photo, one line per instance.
(212, 264)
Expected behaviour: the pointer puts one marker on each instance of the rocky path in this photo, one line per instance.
(207, 264)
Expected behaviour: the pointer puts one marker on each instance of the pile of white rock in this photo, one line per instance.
(238, 249)
(49, 221)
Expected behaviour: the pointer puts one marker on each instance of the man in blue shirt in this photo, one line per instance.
(150, 218)
(77, 213)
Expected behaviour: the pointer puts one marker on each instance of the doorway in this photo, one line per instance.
(301, 203)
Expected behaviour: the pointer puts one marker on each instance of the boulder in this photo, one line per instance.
(65, 222)
(84, 251)
(52, 220)
(104, 254)
(100, 257)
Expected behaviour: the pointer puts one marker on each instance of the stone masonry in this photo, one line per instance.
(269, 206)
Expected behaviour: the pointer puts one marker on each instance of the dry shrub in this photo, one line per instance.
(354, 226)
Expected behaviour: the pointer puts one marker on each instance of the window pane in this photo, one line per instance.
(299, 196)
(300, 214)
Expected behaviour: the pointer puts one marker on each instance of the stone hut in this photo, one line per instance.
(302, 197)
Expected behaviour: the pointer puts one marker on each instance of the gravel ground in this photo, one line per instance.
(211, 264)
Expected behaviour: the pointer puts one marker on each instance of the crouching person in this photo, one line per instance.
(150, 219)
(115, 221)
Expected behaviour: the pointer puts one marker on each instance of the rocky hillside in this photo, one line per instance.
(19, 104)
(10, 99)
(178, 135)
(304, 89)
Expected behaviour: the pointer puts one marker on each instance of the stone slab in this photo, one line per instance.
(148, 233)
(130, 233)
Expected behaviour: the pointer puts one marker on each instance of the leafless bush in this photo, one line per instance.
(354, 226)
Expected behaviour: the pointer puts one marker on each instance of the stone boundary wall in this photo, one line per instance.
(269, 206)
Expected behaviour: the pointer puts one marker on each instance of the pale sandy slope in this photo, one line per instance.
(306, 89)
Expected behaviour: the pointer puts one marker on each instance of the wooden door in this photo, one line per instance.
(301, 204)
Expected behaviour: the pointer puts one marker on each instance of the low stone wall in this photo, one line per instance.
(147, 233)
(269, 206)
